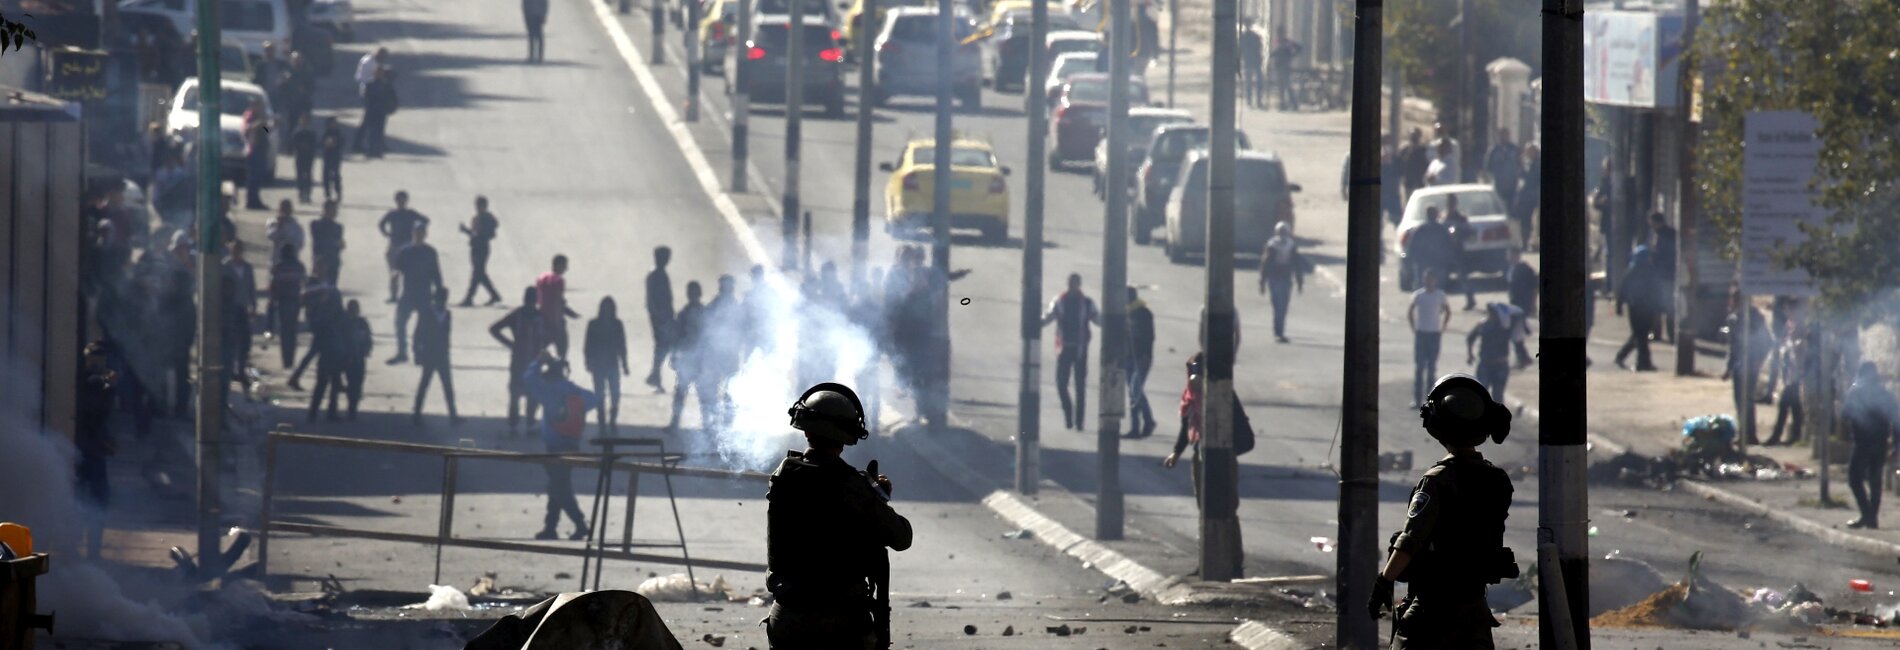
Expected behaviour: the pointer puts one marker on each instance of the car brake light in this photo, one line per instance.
(719, 32)
(997, 186)
(910, 183)
(837, 35)
(833, 54)
(755, 53)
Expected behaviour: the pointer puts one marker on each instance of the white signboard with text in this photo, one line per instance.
(1778, 165)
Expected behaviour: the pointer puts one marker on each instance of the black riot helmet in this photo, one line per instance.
(830, 411)
(1460, 412)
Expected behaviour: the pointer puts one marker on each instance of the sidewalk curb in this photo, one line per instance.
(1255, 635)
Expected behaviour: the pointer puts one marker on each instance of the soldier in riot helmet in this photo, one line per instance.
(1452, 546)
(827, 525)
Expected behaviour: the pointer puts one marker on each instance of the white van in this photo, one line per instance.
(249, 22)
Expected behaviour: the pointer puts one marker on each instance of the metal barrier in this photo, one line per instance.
(596, 551)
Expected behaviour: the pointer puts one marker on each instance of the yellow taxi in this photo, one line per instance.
(718, 28)
(979, 192)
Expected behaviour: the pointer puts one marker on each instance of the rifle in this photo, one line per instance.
(880, 575)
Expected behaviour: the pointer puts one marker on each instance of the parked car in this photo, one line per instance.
(718, 26)
(1006, 50)
(250, 22)
(1262, 199)
(1142, 122)
(782, 9)
(979, 192)
(1156, 173)
(855, 26)
(1492, 235)
(1061, 68)
(234, 97)
(1081, 112)
(765, 61)
(907, 58)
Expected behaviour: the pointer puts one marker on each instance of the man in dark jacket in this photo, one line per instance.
(1141, 359)
(421, 271)
(1414, 157)
(1282, 269)
(1638, 291)
(1492, 359)
(1073, 312)
(525, 340)
(1530, 192)
(379, 102)
(480, 230)
(687, 367)
(326, 243)
(1663, 243)
(660, 313)
(303, 143)
(432, 353)
(1870, 413)
(1430, 250)
(1504, 164)
(1522, 280)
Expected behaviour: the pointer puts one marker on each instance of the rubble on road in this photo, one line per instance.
(1695, 602)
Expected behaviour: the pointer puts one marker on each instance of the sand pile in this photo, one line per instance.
(1697, 604)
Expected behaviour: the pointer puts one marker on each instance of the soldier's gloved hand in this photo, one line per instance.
(1381, 601)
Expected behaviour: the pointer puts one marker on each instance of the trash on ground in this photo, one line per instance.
(1696, 602)
(1862, 586)
(483, 585)
(1019, 534)
(442, 597)
(1324, 544)
(676, 588)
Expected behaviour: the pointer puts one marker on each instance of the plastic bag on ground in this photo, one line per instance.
(442, 597)
(673, 588)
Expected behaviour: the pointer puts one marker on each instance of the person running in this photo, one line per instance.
(546, 382)
(1073, 312)
(286, 298)
(1429, 315)
(660, 313)
(1141, 359)
(1492, 337)
(421, 271)
(522, 333)
(303, 143)
(551, 290)
(399, 225)
(605, 351)
(480, 230)
(535, 14)
(432, 353)
(331, 145)
(1282, 270)
(687, 371)
(326, 243)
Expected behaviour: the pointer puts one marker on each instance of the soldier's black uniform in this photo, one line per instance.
(826, 530)
(1454, 530)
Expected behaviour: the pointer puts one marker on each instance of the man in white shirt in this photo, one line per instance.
(1444, 167)
(366, 68)
(1429, 314)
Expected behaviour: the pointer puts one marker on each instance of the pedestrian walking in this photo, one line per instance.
(1253, 56)
(1282, 270)
(605, 351)
(1193, 428)
(480, 230)
(1741, 372)
(1797, 366)
(686, 353)
(1072, 312)
(1492, 359)
(1140, 360)
(1870, 413)
(331, 145)
(399, 226)
(421, 272)
(1429, 315)
(1640, 291)
(1285, 50)
(322, 305)
(337, 352)
(1504, 165)
(1452, 546)
(432, 353)
(286, 297)
(285, 233)
(1458, 225)
(546, 382)
(304, 146)
(659, 301)
(1430, 250)
(326, 243)
(522, 333)
(535, 14)
(1530, 192)
(551, 290)
(379, 102)
(240, 287)
(92, 437)
(356, 360)
(1662, 241)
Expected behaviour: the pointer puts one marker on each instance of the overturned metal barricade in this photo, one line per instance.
(596, 551)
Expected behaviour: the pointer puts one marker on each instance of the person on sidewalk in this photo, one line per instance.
(1662, 241)
(551, 290)
(1639, 291)
(1797, 365)
(660, 313)
(1452, 546)
(322, 304)
(421, 271)
(286, 301)
(1285, 50)
(355, 360)
(480, 230)
(240, 288)
(1141, 359)
(257, 155)
(534, 13)
(1742, 375)
(1492, 360)
(1253, 58)
(1870, 413)
(1073, 312)
(604, 350)
(546, 382)
(1391, 195)
(1429, 315)
(379, 102)
(525, 339)
(686, 329)
(433, 327)
(1192, 423)
(399, 226)
(326, 243)
(303, 144)
(827, 528)
(331, 144)
(1282, 270)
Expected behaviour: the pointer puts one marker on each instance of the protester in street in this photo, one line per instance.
(331, 145)
(1414, 159)
(659, 299)
(525, 339)
(1492, 357)
(361, 343)
(1429, 315)
(303, 145)
(257, 155)
(1193, 428)
(1504, 165)
(1521, 284)
(551, 290)
(240, 280)
(285, 233)
(1431, 250)
(432, 353)
(1141, 359)
(92, 437)
(1797, 365)
(268, 71)
(1458, 225)
(1282, 269)
(1443, 169)
(723, 319)
(421, 271)
(480, 230)
(1391, 192)
(1530, 191)
(297, 88)
(286, 302)
(398, 226)
(1741, 374)
(1285, 50)
(605, 351)
(366, 68)
(546, 382)
(686, 352)
(322, 306)
(535, 14)
(379, 102)
(1662, 242)
(326, 243)
(1253, 56)
(1640, 291)
(756, 328)
(1871, 415)
(1072, 312)
(337, 352)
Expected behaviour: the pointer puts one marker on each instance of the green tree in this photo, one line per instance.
(1839, 60)
(1422, 38)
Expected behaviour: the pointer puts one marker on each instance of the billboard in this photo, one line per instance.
(1631, 58)
(1778, 195)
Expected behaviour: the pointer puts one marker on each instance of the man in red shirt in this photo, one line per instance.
(551, 294)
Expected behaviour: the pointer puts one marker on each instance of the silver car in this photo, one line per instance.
(907, 58)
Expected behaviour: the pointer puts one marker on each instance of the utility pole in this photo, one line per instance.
(1220, 496)
(794, 122)
(937, 394)
(1359, 452)
(211, 380)
(1563, 505)
(1029, 393)
(1465, 96)
(659, 32)
(1174, 33)
(692, 61)
(1109, 513)
(741, 96)
(861, 194)
(1688, 201)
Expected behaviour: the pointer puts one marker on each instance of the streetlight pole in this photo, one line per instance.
(861, 193)
(211, 380)
(794, 123)
(1563, 505)
(741, 97)
(1359, 454)
(658, 17)
(936, 396)
(1220, 498)
(692, 61)
(1029, 393)
(1109, 513)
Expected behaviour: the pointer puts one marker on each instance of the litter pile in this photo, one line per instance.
(1698, 603)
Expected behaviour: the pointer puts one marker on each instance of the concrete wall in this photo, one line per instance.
(42, 145)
